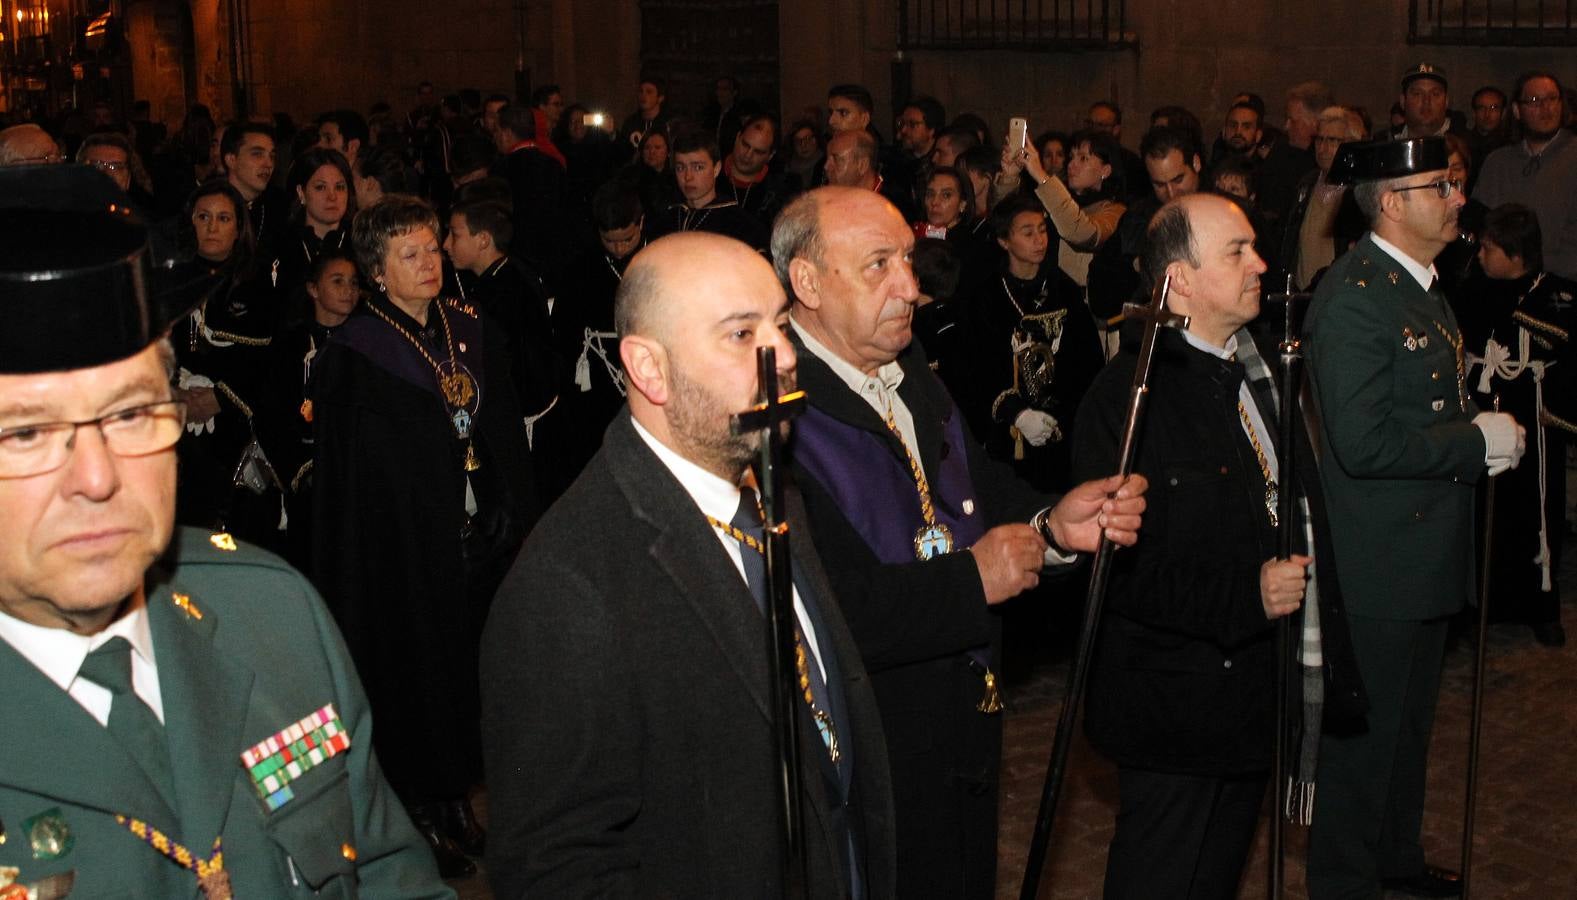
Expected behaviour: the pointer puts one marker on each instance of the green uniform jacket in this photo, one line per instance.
(1400, 451)
(244, 649)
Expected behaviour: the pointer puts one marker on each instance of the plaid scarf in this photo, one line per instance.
(1298, 805)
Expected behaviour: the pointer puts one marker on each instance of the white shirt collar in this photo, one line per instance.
(715, 496)
(1423, 274)
(59, 653)
(885, 378)
(1199, 343)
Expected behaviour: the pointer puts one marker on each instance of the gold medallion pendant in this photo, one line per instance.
(932, 540)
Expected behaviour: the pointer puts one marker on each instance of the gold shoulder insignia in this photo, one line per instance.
(1522, 318)
(1393, 276)
(222, 540)
(184, 603)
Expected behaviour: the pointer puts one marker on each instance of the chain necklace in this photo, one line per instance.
(455, 385)
(824, 724)
(1272, 490)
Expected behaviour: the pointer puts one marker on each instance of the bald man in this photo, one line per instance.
(920, 532)
(1181, 693)
(625, 664)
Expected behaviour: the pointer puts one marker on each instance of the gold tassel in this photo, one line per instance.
(471, 462)
(991, 702)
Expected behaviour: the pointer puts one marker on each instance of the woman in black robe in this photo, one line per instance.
(422, 495)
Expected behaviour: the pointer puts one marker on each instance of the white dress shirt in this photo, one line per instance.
(59, 654)
(719, 499)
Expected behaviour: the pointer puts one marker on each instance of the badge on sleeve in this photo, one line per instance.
(1437, 404)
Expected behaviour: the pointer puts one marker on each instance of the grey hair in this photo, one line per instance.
(796, 234)
(1367, 195)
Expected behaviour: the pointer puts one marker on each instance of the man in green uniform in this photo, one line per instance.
(179, 714)
(1403, 447)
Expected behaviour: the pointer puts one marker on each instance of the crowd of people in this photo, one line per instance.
(403, 348)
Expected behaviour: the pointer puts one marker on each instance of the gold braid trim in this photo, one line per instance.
(301, 473)
(1523, 318)
(240, 338)
(1549, 418)
(230, 395)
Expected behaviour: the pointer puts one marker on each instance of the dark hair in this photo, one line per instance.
(1160, 141)
(1178, 117)
(1525, 77)
(693, 140)
(386, 165)
(975, 125)
(1514, 228)
(236, 132)
(930, 109)
(497, 98)
(1117, 111)
(980, 161)
(1105, 148)
(1011, 207)
(241, 256)
(937, 268)
(1259, 114)
(521, 120)
(301, 171)
(571, 113)
(1060, 137)
(488, 216)
(615, 206)
(1168, 239)
(966, 189)
(1233, 165)
(352, 127)
(493, 189)
(855, 93)
(1490, 89)
(962, 139)
(320, 264)
(654, 82)
(544, 93)
(1254, 101)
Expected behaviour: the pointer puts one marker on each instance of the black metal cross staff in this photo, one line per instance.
(1155, 316)
(766, 417)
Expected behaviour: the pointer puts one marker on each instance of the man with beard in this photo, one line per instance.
(1403, 447)
(628, 743)
(1540, 171)
(922, 534)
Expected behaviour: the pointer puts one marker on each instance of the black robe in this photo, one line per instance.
(407, 573)
(589, 395)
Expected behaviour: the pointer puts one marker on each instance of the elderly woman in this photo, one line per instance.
(1324, 218)
(421, 498)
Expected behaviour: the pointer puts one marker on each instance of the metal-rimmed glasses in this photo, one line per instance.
(1445, 187)
(36, 449)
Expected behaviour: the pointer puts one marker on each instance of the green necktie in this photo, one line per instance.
(132, 723)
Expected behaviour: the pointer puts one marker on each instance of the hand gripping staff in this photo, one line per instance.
(765, 417)
(1155, 317)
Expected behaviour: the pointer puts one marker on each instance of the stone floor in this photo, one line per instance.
(1526, 835)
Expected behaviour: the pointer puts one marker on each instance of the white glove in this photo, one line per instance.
(1504, 440)
(1037, 427)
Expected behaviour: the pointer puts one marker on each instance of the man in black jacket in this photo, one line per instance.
(1182, 695)
(626, 729)
(920, 532)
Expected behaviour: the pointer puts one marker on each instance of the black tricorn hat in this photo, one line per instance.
(78, 285)
(1374, 160)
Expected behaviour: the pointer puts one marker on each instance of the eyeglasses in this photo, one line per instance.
(1539, 101)
(108, 165)
(48, 159)
(1445, 187)
(27, 450)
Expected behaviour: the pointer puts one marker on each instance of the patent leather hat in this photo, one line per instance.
(1373, 160)
(78, 284)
